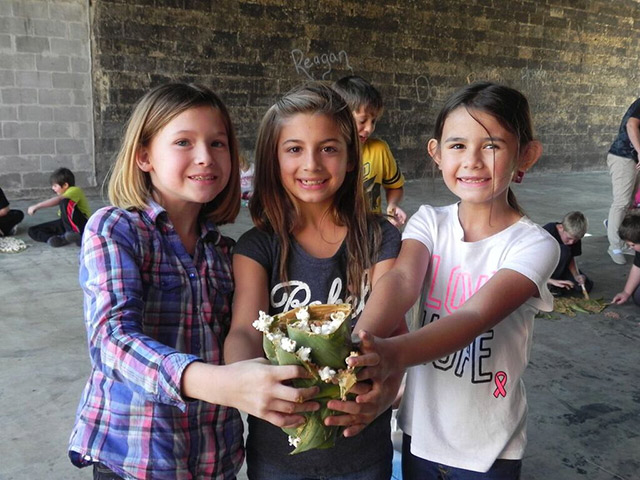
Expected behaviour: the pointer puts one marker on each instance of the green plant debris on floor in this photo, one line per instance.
(570, 306)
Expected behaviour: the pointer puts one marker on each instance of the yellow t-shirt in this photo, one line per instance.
(379, 169)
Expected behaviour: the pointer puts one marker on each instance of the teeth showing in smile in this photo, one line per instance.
(202, 177)
(312, 182)
(473, 180)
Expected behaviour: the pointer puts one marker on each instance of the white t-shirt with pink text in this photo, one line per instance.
(469, 409)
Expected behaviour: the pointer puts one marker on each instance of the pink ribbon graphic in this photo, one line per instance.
(501, 380)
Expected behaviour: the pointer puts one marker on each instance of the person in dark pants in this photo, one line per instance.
(74, 212)
(9, 218)
(567, 278)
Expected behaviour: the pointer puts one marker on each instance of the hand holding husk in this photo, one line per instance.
(318, 338)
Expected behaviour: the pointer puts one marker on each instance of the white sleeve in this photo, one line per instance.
(422, 226)
(535, 255)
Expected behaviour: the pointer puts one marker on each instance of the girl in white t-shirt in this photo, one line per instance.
(483, 265)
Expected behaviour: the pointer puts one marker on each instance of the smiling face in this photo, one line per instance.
(477, 156)
(313, 158)
(189, 159)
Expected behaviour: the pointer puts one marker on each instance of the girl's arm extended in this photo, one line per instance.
(501, 295)
(356, 415)
(255, 382)
(396, 291)
(251, 296)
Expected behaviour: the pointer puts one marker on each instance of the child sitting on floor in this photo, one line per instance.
(74, 212)
(629, 232)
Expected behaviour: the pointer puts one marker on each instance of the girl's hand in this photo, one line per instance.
(621, 298)
(362, 412)
(253, 386)
(580, 279)
(261, 392)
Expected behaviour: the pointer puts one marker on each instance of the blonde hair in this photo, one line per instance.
(130, 188)
(575, 224)
(273, 210)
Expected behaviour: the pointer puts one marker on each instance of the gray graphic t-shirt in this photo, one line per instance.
(313, 280)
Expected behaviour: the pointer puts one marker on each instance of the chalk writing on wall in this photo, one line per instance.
(319, 64)
(535, 75)
(424, 90)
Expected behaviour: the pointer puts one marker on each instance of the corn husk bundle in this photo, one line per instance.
(318, 338)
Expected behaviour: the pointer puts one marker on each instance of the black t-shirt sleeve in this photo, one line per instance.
(391, 240)
(3, 200)
(258, 246)
(636, 259)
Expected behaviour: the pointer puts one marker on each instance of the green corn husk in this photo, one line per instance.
(327, 350)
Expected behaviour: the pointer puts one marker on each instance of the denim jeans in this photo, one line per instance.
(416, 468)
(101, 472)
(263, 471)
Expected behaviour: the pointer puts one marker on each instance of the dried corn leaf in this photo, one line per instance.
(571, 305)
(328, 351)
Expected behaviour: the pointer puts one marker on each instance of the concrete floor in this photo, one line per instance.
(583, 382)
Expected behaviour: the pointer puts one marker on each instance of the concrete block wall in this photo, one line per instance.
(46, 116)
(577, 61)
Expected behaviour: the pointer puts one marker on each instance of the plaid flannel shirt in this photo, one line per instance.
(150, 310)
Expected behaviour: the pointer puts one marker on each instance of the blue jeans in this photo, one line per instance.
(264, 471)
(416, 468)
(102, 472)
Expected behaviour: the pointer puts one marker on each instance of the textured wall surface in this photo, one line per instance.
(577, 60)
(45, 94)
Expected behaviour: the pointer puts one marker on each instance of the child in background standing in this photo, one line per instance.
(629, 232)
(380, 169)
(73, 212)
(314, 242)
(480, 268)
(156, 275)
(246, 180)
(9, 218)
(567, 278)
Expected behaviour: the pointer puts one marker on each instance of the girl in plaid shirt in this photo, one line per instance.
(156, 275)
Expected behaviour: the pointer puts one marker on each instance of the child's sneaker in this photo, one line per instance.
(73, 237)
(13, 231)
(57, 241)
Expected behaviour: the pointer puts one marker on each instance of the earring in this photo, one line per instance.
(518, 176)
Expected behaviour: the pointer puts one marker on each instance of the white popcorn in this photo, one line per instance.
(326, 374)
(287, 344)
(263, 323)
(303, 314)
(294, 441)
(303, 353)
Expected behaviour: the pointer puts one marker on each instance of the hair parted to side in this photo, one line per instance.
(507, 105)
(274, 210)
(575, 224)
(358, 92)
(629, 230)
(130, 187)
(62, 175)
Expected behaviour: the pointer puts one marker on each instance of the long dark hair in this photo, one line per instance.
(273, 210)
(505, 104)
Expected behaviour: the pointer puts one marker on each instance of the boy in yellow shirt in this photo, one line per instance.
(380, 169)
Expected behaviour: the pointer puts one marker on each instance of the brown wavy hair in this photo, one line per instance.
(273, 210)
